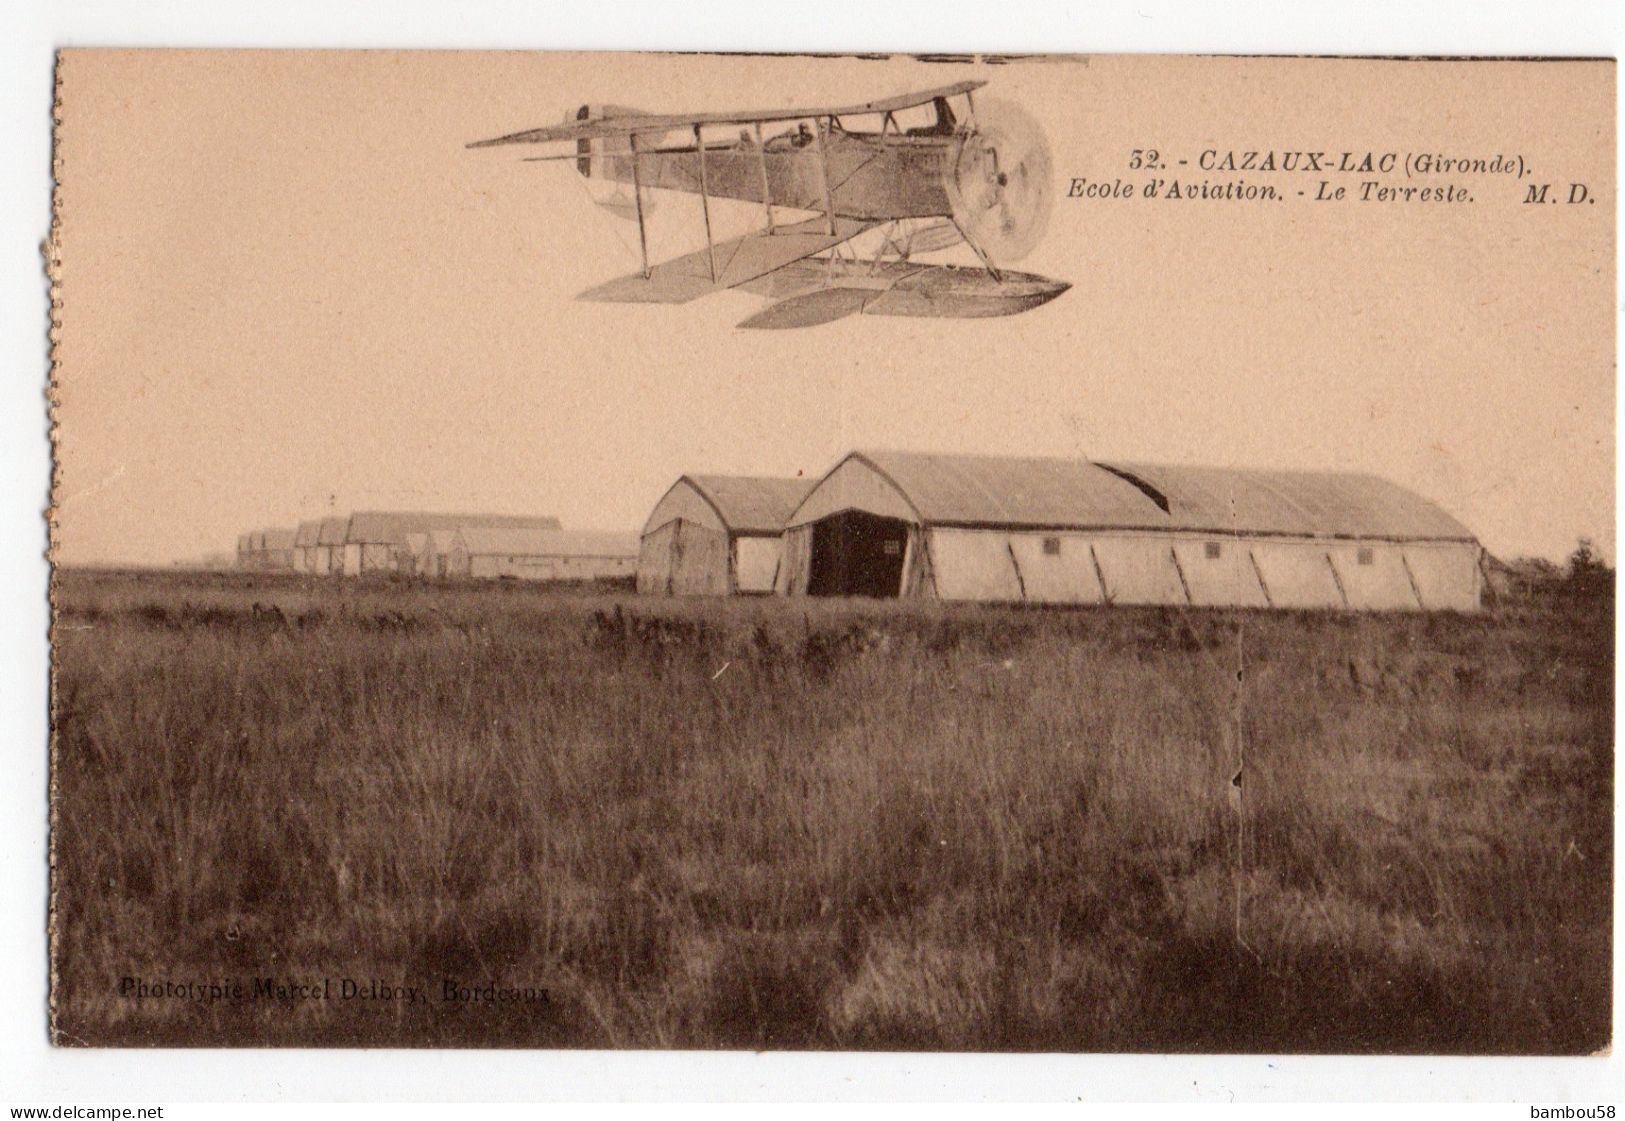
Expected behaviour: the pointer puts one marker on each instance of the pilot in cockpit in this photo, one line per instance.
(946, 122)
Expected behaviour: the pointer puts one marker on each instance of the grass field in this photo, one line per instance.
(771, 824)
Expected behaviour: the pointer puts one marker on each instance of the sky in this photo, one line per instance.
(289, 290)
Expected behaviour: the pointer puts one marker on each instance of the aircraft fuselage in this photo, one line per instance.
(870, 177)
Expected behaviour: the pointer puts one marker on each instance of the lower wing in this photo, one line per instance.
(738, 261)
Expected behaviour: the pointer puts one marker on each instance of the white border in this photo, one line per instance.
(32, 1073)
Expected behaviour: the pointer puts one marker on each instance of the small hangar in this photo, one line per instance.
(717, 535)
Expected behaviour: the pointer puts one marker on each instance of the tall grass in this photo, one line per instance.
(830, 824)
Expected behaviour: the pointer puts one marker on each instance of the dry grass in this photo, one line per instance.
(831, 825)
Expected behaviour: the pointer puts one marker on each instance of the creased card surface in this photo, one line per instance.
(549, 549)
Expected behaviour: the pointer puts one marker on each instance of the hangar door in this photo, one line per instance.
(857, 554)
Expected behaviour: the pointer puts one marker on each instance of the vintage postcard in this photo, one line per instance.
(954, 553)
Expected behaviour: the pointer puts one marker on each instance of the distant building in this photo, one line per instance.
(958, 527)
(304, 546)
(717, 535)
(436, 559)
(411, 559)
(330, 545)
(374, 538)
(278, 553)
(483, 552)
(245, 550)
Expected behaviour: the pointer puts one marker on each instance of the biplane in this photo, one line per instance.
(919, 174)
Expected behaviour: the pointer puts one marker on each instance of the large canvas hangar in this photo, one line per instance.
(1074, 531)
(717, 535)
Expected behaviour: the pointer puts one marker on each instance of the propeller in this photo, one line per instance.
(999, 182)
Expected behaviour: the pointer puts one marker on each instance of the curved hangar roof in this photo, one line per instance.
(332, 530)
(752, 503)
(970, 490)
(748, 504)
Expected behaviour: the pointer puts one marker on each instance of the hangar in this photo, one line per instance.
(436, 555)
(375, 538)
(330, 545)
(717, 535)
(410, 561)
(486, 552)
(958, 527)
(252, 551)
(278, 549)
(304, 546)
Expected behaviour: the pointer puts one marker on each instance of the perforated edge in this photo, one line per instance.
(51, 250)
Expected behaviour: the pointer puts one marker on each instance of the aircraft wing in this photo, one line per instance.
(739, 260)
(601, 127)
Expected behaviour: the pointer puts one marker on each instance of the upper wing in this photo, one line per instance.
(738, 260)
(661, 123)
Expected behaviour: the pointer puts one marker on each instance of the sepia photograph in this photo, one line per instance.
(868, 552)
